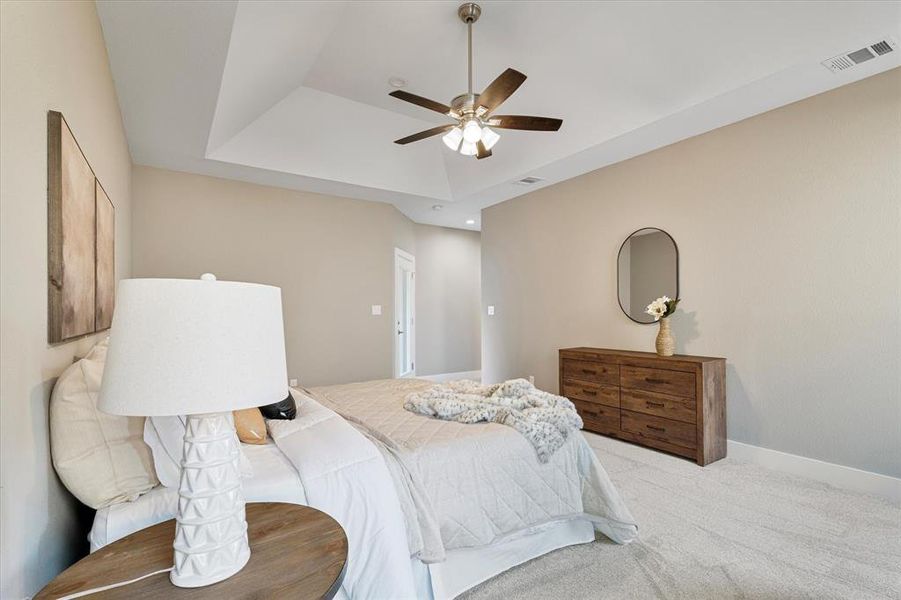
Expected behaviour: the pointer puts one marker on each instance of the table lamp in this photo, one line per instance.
(200, 348)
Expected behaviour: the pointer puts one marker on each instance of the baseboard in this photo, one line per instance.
(442, 377)
(839, 476)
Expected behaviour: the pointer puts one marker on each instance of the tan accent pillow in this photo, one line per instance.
(250, 426)
(102, 459)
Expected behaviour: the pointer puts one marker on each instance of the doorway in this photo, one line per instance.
(404, 314)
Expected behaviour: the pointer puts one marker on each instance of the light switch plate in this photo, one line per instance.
(491, 311)
(376, 310)
(292, 382)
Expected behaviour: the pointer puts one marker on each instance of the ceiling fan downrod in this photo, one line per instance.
(469, 13)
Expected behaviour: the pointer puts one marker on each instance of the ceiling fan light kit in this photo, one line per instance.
(453, 138)
(470, 135)
(472, 131)
(489, 137)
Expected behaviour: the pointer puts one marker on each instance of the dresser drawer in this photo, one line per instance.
(657, 428)
(597, 417)
(590, 371)
(607, 395)
(678, 383)
(659, 405)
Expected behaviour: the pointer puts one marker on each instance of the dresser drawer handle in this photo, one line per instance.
(652, 404)
(655, 381)
(655, 428)
(589, 372)
(590, 392)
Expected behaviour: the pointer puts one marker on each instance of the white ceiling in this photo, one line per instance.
(295, 94)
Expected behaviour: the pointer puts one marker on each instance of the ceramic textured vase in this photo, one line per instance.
(665, 343)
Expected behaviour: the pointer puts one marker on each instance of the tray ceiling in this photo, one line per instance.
(295, 94)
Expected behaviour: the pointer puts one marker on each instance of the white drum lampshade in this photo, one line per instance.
(201, 348)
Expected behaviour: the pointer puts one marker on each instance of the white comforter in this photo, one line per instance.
(469, 485)
(344, 475)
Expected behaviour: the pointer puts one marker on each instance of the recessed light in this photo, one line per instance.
(397, 82)
(470, 221)
(437, 206)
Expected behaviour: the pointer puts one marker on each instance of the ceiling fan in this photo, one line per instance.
(471, 135)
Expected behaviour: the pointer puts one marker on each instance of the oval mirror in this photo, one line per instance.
(647, 268)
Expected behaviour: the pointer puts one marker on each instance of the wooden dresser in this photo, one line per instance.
(672, 403)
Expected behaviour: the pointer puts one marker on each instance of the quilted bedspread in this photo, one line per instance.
(468, 485)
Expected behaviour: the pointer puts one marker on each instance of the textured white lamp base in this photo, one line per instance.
(210, 531)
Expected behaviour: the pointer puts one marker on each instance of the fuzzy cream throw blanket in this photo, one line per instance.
(544, 419)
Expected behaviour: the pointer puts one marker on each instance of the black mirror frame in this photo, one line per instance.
(618, 254)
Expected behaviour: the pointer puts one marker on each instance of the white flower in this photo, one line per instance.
(657, 308)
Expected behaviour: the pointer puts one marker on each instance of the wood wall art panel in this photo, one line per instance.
(72, 239)
(106, 260)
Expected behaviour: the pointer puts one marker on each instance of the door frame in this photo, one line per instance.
(403, 256)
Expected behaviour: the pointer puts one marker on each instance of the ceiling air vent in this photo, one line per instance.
(850, 59)
(881, 48)
(528, 181)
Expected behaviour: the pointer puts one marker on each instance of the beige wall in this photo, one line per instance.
(788, 226)
(448, 266)
(333, 258)
(52, 56)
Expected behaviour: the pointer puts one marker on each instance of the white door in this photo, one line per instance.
(404, 322)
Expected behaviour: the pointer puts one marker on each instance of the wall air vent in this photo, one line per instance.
(851, 59)
(528, 181)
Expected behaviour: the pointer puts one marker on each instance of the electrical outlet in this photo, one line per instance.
(491, 311)
(376, 310)
(292, 382)
(532, 379)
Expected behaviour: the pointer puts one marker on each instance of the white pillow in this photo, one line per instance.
(302, 396)
(165, 436)
(100, 458)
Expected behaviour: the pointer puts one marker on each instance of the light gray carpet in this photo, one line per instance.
(729, 530)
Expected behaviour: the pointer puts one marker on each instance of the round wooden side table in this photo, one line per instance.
(296, 552)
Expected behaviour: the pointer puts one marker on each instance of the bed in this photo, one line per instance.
(457, 504)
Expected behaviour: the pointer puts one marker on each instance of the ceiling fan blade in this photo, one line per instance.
(526, 123)
(420, 101)
(424, 134)
(483, 152)
(500, 89)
